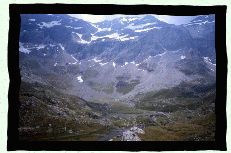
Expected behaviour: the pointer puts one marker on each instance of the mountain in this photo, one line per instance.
(116, 48)
(202, 30)
(113, 68)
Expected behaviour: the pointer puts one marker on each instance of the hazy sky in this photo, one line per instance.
(166, 18)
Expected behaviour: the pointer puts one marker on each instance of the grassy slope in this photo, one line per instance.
(193, 130)
(191, 113)
(44, 114)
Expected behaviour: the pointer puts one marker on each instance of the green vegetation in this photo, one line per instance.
(190, 109)
(31, 64)
(90, 73)
(184, 96)
(46, 114)
(67, 69)
(56, 81)
(190, 67)
(73, 69)
(125, 87)
(168, 115)
(198, 129)
(124, 109)
(123, 78)
(107, 88)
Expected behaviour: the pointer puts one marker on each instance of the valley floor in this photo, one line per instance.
(48, 115)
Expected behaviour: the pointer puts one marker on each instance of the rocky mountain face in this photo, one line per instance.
(202, 31)
(136, 64)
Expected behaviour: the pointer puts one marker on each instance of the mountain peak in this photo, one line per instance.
(203, 18)
(150, 18)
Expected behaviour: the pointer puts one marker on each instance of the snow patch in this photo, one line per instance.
(129, 19)
(80, 79)
(113, 64)
(49, 24)
(41, 46)
(128, 38)
(103, 29)
(147, 29)
(76, 28)
(51, 45)
(160, 54)
(132, 19)
(200, 23)
(208, 61)
(138, 64)
(102, 64)
(112, 36)
(140, 26)
(197, 20)
(27, 50)
(23, 49)
(115, 36)
(182, 57)
(80, 35)
(31, 20)
(61, 46)
(95, 60)
(74, 58)
(81, 40)
(55, 64)
(68, 26)
(124, 19)
(84, 41)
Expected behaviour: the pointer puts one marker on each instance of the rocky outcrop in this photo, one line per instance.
(132, 134)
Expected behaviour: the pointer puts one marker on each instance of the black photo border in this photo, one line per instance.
(15, 10)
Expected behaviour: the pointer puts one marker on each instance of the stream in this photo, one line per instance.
(123, 134)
